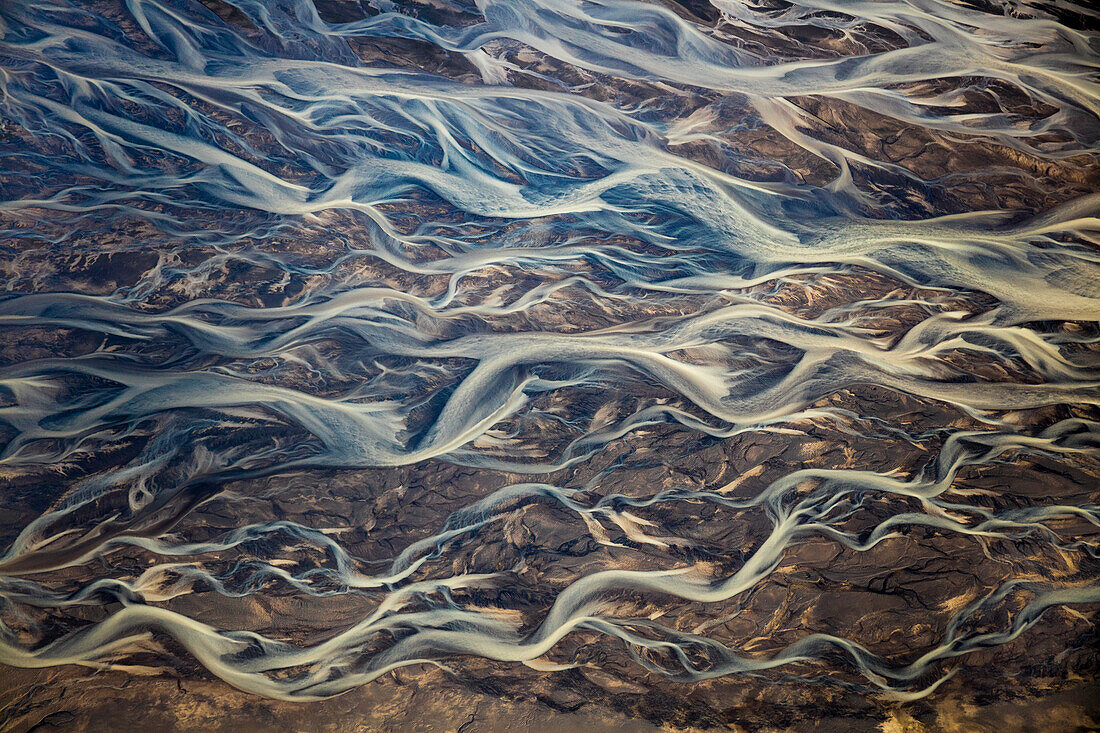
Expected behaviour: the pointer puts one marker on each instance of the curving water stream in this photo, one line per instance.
(559, 249)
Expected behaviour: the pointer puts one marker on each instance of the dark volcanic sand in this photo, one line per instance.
(549, 366)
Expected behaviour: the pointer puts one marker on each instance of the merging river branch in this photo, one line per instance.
(595, 221)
